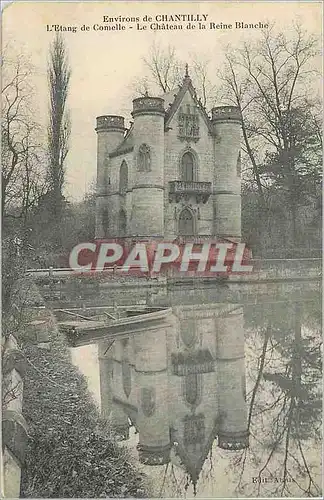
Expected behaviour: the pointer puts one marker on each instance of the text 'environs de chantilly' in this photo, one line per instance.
(161, 22)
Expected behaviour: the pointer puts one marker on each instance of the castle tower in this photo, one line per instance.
(152, 385)
(105, 375)
(147, 217)
(226, 121)
(111, 409)
(230, 369)
(110, 133)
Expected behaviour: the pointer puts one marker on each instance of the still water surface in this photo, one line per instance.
(225, 400)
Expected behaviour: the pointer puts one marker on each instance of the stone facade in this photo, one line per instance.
(174, 172)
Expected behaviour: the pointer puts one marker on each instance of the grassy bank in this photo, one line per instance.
(71, 452)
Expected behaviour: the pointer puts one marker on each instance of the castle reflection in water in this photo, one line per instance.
(180, 381)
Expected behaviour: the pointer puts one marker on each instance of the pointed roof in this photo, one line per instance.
(172, 101)
(172, 106)
(193, 468)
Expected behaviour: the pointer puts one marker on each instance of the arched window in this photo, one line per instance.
(105, 221)
(144, 158)
(188, 332)
(122, 223)
(191, 388)
(187, 167)
(186, 223)
(126, 377)
(123, 178)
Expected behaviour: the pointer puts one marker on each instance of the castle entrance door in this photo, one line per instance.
(186, 223)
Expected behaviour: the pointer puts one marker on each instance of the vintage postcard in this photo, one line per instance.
(161, 249)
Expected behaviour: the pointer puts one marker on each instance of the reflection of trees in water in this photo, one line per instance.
(283, 373)
(284, 401)
(176, 482)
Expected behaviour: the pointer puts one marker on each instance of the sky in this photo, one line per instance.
(105, 63)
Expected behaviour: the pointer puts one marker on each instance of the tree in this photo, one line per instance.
(284, 371)
(164, 72)
(270, 81)
(59, 128)
(23, 175)
(164, 67)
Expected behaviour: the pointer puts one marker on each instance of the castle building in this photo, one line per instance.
(174, 172)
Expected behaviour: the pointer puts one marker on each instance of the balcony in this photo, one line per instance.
(185, 189)
(191, 363)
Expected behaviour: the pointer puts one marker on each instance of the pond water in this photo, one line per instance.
(223, 398)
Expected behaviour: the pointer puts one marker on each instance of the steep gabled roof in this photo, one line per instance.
(172, 101)
(169, 98)
(172, 106)
(193, 468)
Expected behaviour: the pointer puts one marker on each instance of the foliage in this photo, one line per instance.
(271, 81)
(50, 243)
(266, 229)
(59, 128)
(164, 70)
(285, 396)
(274, 80)
(71, 452)
(23, 175)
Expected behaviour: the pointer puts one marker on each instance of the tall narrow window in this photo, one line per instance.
(187, 167)
(105, 221)
(191, 388)
(126, 376)
(144, 158)
(122, 223)
(186, 223)
(188, 332)
(238, 165)
(123, 178)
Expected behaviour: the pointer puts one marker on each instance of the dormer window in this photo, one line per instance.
(188, 123)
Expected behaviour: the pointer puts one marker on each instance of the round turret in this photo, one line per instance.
(154, 455)
(226, 123)
(233, 440)
(147, 215)
(110, 134)
(230, 368)
(148, 105)
(151, 368)
(226, 113)
(111, 123)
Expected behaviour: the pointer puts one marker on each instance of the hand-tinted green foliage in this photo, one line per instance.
(71, 451)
